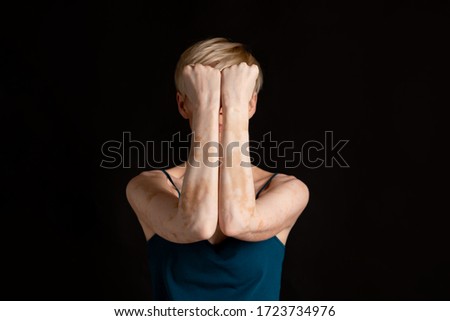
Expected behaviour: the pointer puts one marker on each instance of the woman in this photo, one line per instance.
(217, 225)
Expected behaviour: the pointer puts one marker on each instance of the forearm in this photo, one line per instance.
(199, 197)
(237, 193)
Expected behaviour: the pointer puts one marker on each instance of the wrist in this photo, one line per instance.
(233, 97)
(210, 101)
(235, 124)
(234, 105)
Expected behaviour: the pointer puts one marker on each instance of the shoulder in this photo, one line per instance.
(288, 187)
(292, 182)
(284, 183)
(141, 189)
(145, 179)
(293, 192)
(283, 179)
(145, 175)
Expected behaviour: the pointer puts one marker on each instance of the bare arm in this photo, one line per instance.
(237, 191)
(240, 215)
(194, 216)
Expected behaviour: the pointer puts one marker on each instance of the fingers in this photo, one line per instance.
(254, 69)
(241, 66)
(199, 68)
(201, 84)
(197, 73)
(201, 78)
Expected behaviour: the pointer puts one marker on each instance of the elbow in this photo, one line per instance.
(234, 222)
(231, 228)
(230, 231)
(203, 232)
(204, 227)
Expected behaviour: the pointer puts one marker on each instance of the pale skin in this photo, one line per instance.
(217, 202)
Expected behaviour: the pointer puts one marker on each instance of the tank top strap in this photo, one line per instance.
(261, 189)
(170, 179)
(266, 184)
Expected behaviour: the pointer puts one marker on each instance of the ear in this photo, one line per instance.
(252, 105)
(181, 102)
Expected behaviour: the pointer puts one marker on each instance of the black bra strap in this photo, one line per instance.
(170, 179)
(266, 184)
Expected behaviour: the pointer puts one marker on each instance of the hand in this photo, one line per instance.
(238, 84)
(201, 86)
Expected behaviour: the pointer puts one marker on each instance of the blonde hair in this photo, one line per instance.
(219, 53)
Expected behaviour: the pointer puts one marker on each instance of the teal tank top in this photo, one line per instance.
(230, 270)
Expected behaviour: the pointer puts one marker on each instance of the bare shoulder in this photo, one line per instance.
(144, 186)
(292, 187)
(292, 182)
(146, 178)
(286, 182)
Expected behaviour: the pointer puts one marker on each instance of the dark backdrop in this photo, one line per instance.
(77, 74)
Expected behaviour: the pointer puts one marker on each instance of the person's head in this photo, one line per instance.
(219, 53)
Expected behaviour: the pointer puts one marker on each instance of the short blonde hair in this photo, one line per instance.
(219, 53)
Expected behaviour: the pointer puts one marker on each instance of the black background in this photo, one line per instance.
(77, 74)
